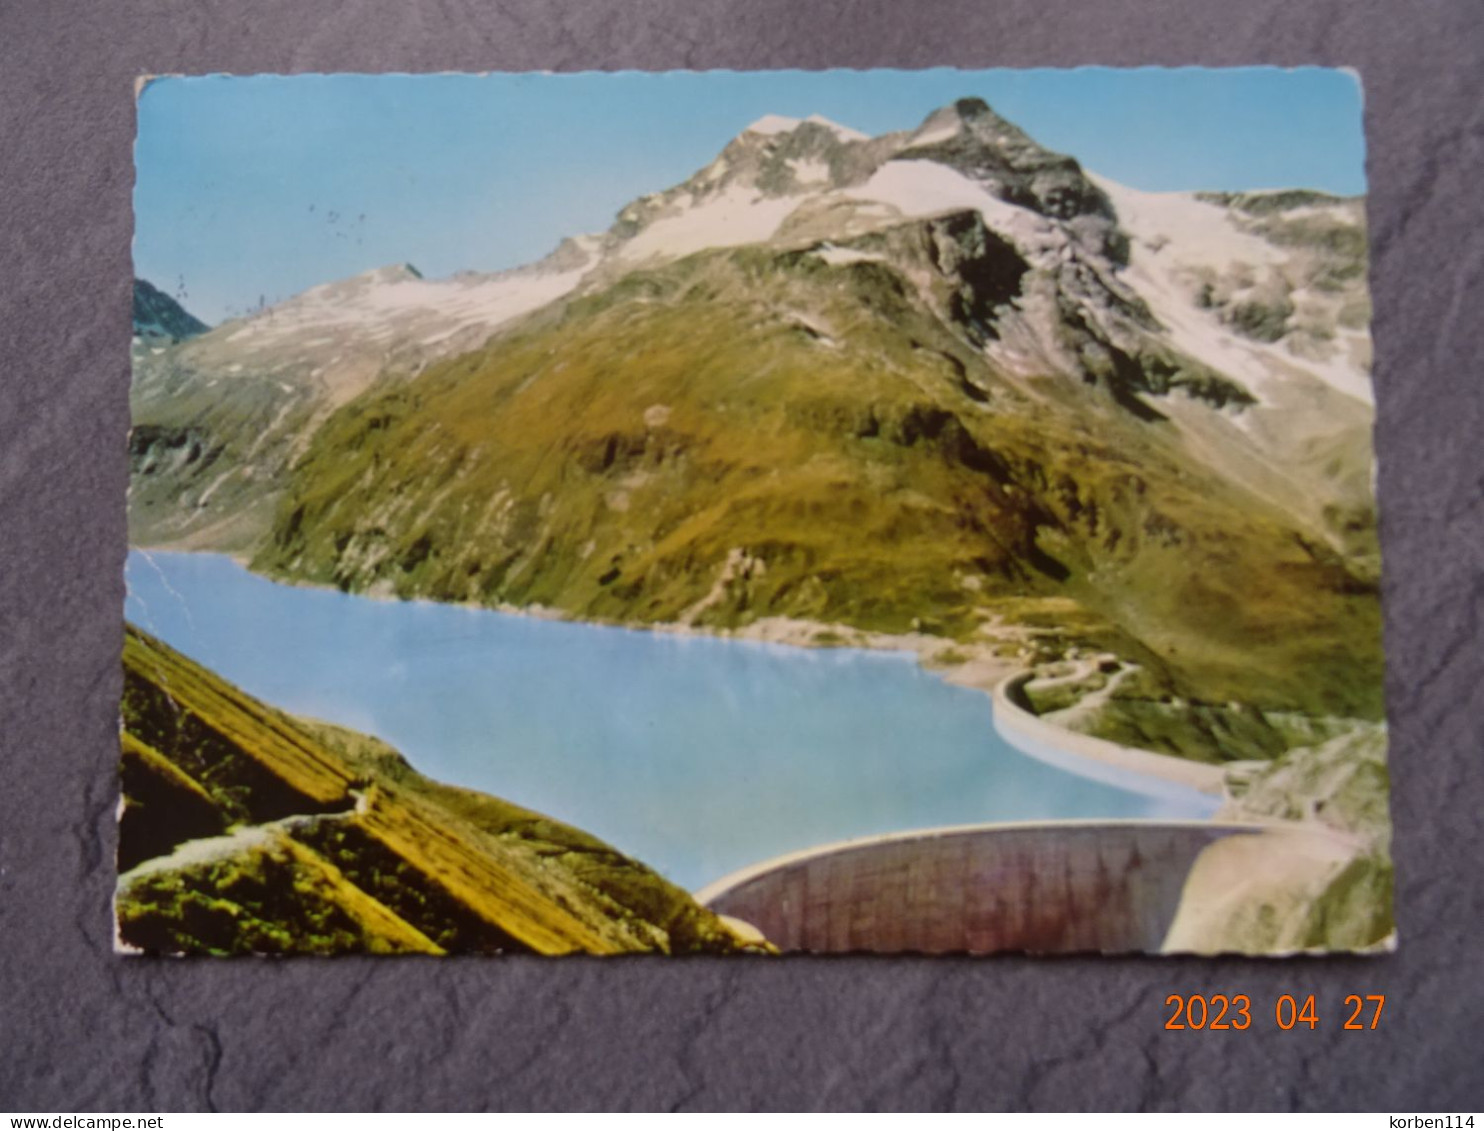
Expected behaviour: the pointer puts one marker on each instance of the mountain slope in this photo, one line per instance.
(244, 829)
(220, 419)
(942, 379)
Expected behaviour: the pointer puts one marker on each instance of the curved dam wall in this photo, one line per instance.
(1055, 886)
(1195, 787)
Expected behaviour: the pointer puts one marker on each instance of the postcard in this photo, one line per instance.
(742, 513)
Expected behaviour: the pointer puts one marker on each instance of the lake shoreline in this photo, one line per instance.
(976, 666)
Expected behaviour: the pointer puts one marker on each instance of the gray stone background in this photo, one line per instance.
(81, 1029)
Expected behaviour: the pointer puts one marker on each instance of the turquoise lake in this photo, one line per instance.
(697, 755)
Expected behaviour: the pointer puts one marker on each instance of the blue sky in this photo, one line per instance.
(259, 187)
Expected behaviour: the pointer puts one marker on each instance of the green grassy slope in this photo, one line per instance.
(754, 432)
(247, 830)
(210, 454)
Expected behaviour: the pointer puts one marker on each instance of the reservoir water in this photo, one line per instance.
(697, 755)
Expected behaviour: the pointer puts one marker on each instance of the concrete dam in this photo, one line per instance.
(1048, 887)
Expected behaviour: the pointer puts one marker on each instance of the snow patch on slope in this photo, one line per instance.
(490, 301)
(843, 132)
(1174, 233)
(770, 125)
(370, 306)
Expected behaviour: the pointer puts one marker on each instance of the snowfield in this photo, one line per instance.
(773, 124)
(1174, 234)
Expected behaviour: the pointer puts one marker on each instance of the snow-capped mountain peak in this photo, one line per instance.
(1191, 275)
(1267, 287)
(770, 125)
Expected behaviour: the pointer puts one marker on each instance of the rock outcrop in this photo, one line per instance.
(159, 318)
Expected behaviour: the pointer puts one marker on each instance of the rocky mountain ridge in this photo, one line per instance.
(880, 382)
(159, 318)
